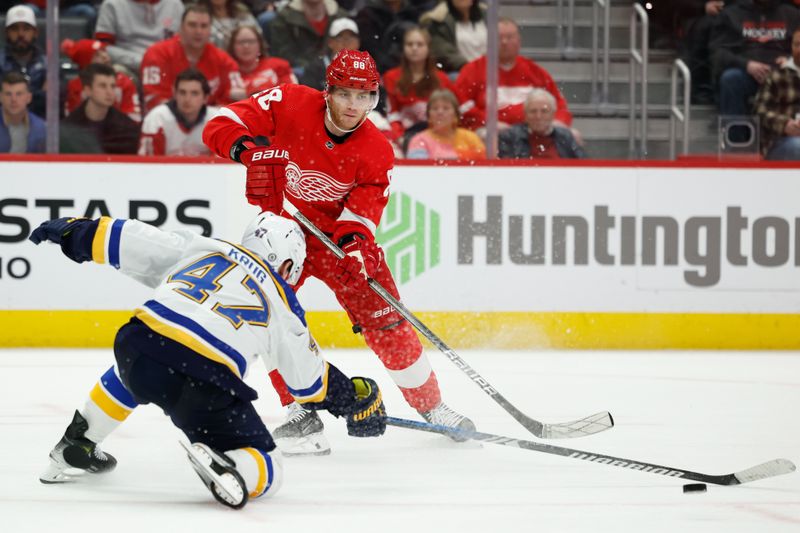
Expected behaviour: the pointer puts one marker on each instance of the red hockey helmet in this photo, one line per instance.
(353, 69)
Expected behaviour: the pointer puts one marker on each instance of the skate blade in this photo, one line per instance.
(226, 486)
(58, 473)
(315, 444)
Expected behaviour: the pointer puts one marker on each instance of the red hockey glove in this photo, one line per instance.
(266, 175)
(362, 260)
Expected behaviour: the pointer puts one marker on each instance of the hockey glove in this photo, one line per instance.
(368, 415)
(56, 230)
(75, 236)
(362, 259)
(266, 175)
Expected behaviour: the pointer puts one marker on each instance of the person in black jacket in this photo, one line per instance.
(750, 38)
(96, 126)
(382, 24)
(538, 137)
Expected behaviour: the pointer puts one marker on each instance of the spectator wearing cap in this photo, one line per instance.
(130, 27)
(538, 137)
(299, 32)
(96, 126)
(21, 131)
(191, 48)
(176, 127)
(22, 55)
(342, 35)
(258, 69)
(85, 52)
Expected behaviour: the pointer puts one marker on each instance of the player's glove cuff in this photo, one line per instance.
(368, 415)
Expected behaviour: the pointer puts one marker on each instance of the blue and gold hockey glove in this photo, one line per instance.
(368, 415)
(56, 230)
(74, 234)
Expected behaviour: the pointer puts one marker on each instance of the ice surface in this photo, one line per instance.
(704, 411)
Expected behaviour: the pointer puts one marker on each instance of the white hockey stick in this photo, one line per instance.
(577, 428)
(775, 467)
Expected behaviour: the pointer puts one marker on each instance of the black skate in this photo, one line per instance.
(75, 455)
(301, 434)
(219, 474)
(442, 415)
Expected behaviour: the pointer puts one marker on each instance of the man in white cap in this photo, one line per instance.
(342, 35)
(22, 55)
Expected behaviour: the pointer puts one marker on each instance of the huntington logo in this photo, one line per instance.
(409, 234)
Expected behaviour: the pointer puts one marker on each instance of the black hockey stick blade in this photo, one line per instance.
(577, 428)
(775, 467)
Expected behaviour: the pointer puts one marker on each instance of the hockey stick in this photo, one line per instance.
(776, 467)
(577, 428)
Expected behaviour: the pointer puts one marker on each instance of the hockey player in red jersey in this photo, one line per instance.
(335, 167)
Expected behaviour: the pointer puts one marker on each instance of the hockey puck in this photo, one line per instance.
(695, 487)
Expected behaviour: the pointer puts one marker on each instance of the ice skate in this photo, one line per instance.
(442, 415)
(75, 455)
(219, 474)
(301, 434)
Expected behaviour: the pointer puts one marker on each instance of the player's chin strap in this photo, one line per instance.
(576, 428)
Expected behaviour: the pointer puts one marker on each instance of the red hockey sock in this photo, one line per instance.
(400, 351)
(281, 388)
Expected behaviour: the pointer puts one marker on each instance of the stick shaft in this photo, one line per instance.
(772, 468)
(534, 426)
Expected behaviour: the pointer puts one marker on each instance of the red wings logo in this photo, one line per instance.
(314, 186)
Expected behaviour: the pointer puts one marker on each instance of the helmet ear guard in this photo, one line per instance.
(276, 239)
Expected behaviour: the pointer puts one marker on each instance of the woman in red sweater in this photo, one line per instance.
(409, 85)
(259, 71)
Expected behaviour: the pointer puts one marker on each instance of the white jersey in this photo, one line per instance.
(164, 134)
(218, 299)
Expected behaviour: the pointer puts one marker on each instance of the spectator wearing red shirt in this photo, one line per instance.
(517, 76)
(409, 85)
(259, 71)
(85, 52)
(190, 49)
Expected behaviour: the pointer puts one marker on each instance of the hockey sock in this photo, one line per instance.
(400, 351)
(108, 405)
(281, 388)
(262, 472)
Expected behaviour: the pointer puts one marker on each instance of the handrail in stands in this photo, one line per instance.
(675, 113)
(600, 96)
(638, 56)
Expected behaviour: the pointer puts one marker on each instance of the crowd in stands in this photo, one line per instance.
(178, 61)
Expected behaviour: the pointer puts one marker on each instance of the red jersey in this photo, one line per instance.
(327, 181)
(126, 97)
(270, 72)
(163, 61)
(513, 87)
(406, 110)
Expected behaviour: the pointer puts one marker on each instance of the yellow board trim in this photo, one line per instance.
(495, 330)
(99, 241)
(262, 472)
(184, 338)
(107, 405)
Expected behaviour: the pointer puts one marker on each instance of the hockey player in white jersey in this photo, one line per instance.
(217, 306)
